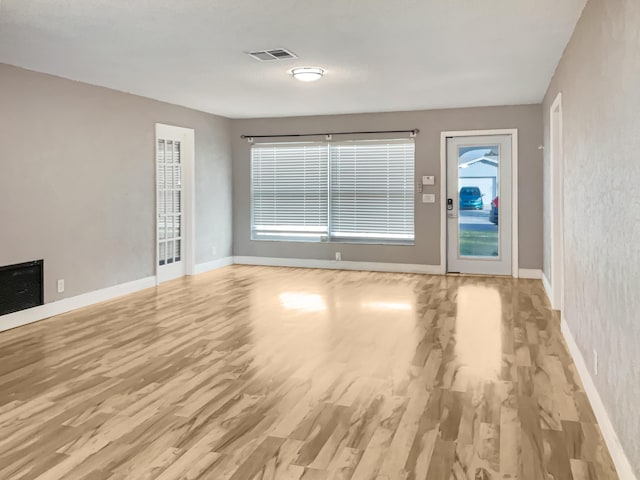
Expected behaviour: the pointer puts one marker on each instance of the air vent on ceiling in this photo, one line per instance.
(275, 54)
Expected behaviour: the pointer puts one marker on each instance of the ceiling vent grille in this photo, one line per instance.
(270, 55)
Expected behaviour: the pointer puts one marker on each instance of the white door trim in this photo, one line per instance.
(556, 174)
(188, 195)
(443, 191)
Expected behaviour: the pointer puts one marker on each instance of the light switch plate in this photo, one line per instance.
(428, 180)
(428, 198)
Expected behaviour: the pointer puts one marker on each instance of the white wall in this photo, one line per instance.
(527, 118)
(77, 178)
(598, 77)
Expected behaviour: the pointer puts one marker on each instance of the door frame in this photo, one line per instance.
(513, 132)
(188, 193)
(556, 180)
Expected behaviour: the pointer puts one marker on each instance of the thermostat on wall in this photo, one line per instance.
(428, 180)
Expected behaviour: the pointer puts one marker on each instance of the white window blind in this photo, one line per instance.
(344, 192)
(372, 190)
(289, 191)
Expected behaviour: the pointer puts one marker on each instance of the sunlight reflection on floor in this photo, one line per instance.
(478, 331)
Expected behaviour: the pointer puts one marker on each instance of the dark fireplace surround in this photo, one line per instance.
(21, 286)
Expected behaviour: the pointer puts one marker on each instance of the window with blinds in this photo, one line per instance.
(289, 191)
(372, 191)
(344, 192)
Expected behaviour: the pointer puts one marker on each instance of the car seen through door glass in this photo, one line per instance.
(470, 198)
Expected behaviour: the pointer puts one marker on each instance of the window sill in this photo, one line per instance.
(398, 243)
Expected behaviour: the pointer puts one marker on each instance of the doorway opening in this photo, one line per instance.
(174, 202)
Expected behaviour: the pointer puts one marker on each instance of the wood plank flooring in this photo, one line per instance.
(256, 373)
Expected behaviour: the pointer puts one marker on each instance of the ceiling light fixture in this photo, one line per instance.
(307, 74)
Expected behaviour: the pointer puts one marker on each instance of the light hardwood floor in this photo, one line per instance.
(251, 373)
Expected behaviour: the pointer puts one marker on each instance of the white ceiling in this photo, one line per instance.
(380, 55)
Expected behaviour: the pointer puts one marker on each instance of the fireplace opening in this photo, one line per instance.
(21, 286)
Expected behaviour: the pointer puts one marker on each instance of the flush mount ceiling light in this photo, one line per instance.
(307, 74)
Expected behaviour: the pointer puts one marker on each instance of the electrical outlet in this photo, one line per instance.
(214, 250)
(60, 285)
(338, 256)
(595, 362)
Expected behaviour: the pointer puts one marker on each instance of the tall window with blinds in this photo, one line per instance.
(289, 191)
(372, 192)
(360, 191)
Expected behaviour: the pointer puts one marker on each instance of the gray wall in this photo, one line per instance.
(77, 177)
(598, 77)
(431, 123)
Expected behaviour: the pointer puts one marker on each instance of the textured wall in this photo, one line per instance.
(598, 77)
(78, 178)
(431, 123)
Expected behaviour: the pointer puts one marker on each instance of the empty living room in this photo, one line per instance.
(320, 240)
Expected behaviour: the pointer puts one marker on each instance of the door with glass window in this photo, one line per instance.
(170, 206)
(479, 205)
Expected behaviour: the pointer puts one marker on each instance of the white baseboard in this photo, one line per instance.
(341, 265)
(622, 464)
(24, 317)
(213, 265)
(529, 273)
(547, 288)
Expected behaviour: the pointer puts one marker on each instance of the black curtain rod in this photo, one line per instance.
(415, 131)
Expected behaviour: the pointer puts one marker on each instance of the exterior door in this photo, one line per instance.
(170, 197)
(479, 204)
